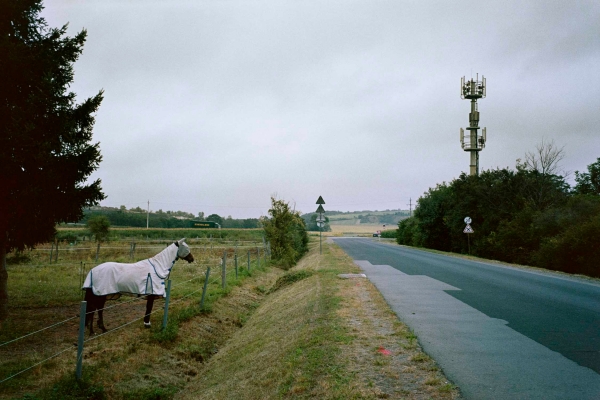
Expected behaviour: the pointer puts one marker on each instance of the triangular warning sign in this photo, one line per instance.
(320, 209)
(320, 200)
(468, 229)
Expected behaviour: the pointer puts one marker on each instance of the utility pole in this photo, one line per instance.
(148, 215)
(473, 143)
(410, 209)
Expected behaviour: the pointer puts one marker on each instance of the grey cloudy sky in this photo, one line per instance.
(216, 105)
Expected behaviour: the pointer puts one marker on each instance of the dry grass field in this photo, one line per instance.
(356, 230)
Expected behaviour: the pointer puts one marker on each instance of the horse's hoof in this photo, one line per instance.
(147, 325)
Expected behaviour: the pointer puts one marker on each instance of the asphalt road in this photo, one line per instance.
(498, 332)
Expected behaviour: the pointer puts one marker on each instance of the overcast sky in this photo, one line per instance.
(217, 105)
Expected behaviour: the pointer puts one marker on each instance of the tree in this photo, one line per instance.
(286, 231)
(545, 159)
(45, 150)
(589, 182)
(215, 218)
(543, 186)
(99, 227)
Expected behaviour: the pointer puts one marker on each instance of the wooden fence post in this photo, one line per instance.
(248, 261)
(82, 312)
(236, 267)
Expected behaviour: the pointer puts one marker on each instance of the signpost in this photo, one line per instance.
(320, 221)
(468, 230)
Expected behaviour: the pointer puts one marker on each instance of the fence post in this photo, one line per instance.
(51, 251)
(80, 275)
(204, 289)
(56, 254)
(236, 268)
(82, 312)
(223, 271)
(258, 257)
(248, 261)
(166, 314)
(97, 251)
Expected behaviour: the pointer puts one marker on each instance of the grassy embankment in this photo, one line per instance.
(319, 336)
(302, 334)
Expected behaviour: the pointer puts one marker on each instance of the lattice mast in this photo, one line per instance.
(473, 89)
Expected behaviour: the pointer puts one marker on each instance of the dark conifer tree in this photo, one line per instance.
(46, 154)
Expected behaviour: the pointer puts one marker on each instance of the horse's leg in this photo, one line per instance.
(90, 309)
(149, 305)
(100, 308)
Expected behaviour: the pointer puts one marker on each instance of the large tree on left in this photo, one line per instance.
(46, 154)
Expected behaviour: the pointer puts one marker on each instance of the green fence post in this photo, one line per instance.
(82, 312)
(224, 271)
(166, 314)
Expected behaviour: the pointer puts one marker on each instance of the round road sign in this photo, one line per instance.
(468, 220)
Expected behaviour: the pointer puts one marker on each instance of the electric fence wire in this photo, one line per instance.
(38, 331)
(215, 281)
(36, 364)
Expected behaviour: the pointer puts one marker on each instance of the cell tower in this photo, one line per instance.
(473, 90)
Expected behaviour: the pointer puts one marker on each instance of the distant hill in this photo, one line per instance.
(365, 217)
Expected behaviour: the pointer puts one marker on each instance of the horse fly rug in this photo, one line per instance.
(141, 278)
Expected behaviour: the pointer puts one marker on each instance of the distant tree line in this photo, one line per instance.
(527, 216)
(136, 218)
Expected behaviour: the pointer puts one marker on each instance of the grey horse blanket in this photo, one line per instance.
(141, 278)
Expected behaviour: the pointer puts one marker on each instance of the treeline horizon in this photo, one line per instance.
(529, 215)
(138, 218)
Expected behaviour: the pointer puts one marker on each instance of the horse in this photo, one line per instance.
(109, 280)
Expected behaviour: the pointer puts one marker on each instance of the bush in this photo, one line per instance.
(408, 232)
(389, 234)
(575, 250)
(99, 227)
(286, 231)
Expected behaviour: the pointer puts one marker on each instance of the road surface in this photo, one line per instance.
(498, 332)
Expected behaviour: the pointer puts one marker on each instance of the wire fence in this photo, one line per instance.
(200, 271)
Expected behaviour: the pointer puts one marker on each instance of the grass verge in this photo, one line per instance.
(319, 336)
